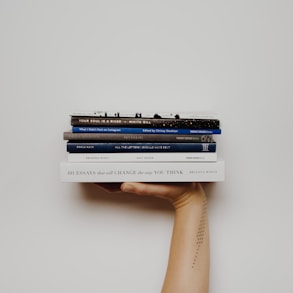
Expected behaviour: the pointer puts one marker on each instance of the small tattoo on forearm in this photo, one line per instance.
(200, 235)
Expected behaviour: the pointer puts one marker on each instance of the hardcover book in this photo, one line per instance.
(142, 172)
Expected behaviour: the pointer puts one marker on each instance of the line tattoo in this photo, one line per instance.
(200, 235)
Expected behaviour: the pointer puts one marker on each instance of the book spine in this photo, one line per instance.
(148, 172)
(145, 122)
(136, 137)
(100, 147)
(134, 130)
(143, 157)
(178, 115)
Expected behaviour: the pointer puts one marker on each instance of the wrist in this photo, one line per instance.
(190, 199)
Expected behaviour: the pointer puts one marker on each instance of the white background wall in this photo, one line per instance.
(232, 57)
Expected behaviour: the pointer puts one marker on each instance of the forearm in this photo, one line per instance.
(188, 266)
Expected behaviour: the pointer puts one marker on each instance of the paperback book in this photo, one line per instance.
(104, 147)
(67, 135)
(163, 115)
(140, 120)
(134, 130)
(146, 172)
(143, 157)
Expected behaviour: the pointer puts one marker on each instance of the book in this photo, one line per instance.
(142, 172)
(105, 147)
(168, 115)
(143, 157)
(146, 122)
(156, 120)
(135, 130)
(67, 135)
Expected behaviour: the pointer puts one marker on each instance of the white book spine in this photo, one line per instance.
(143, 157)
(142, 172)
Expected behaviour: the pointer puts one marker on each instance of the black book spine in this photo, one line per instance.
(146, 122)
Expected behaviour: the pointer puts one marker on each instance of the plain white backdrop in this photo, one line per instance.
(231, 57)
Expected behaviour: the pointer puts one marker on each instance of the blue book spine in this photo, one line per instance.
(99, 147)
(144, 130)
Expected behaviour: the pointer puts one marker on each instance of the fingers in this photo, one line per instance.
(169, 191)
(164, 190)
(147, 189)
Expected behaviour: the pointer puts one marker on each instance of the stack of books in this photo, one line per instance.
(142, 147)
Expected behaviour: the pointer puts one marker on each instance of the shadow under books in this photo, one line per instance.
(93, 194)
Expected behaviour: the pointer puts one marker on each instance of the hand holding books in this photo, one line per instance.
(179, 194)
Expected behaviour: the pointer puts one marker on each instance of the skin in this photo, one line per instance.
(189, 255)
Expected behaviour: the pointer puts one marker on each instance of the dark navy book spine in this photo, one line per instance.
(96, 129)
(99, 147)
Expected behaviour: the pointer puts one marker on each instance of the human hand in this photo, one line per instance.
(179, 194)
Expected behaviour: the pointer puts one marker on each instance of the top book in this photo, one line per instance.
(155, 115)
(191, 120)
